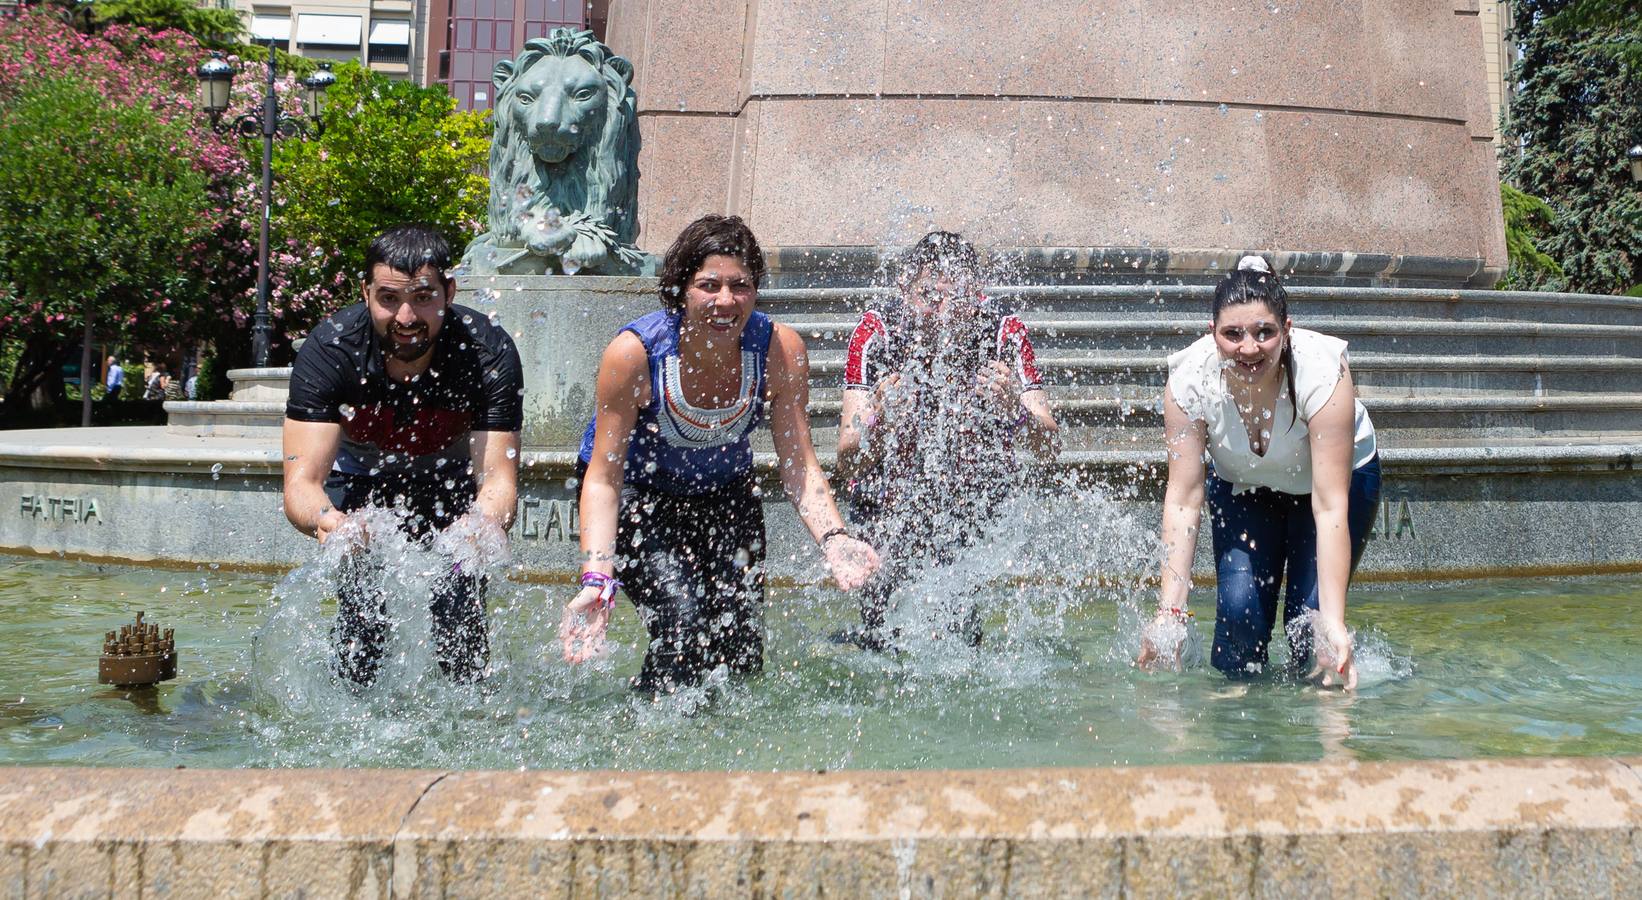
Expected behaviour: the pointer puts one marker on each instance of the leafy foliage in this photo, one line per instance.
(98, 210)
(218, 28)
(116, 197)
(1528, 221)
(1621, 19)
(1571, 121)
(391, 152)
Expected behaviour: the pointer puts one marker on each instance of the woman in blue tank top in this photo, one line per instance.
(669, 507)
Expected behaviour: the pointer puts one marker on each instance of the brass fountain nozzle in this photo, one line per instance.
(138, 655)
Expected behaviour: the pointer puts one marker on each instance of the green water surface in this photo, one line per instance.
(1494, 668)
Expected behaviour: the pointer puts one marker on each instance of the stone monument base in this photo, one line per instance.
(560, 324)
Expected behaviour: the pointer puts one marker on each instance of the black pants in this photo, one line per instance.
(457, 605)
(913, 538)
(694, 568)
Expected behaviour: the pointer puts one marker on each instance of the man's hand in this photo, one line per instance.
(476, 540)
(336, 528)
(329, 521)
(581, 631)
(995, 385)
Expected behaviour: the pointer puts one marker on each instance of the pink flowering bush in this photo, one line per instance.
(118, 201)
(121, 204)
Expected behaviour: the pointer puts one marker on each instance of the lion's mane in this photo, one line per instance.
(601, 180)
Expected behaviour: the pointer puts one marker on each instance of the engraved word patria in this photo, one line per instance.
(61, 509)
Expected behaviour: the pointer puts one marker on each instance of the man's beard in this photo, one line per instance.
(405, 352)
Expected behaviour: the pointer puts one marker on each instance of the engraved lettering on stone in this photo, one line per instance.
(1399, 511)
(527, 522)
(550, 520)
(78, 510)
(1405, 520)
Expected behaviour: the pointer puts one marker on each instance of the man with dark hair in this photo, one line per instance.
(409, 402)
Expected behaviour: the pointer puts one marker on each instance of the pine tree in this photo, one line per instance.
(1577, 109)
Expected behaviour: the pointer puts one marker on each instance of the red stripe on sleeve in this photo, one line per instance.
(1012, 336)
(858, 370)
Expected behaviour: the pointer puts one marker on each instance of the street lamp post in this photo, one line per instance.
(1635, 156)
(216, 77)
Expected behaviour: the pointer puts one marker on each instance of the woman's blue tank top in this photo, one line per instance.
(677, 448)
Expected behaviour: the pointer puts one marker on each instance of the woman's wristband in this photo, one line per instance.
(832, 533)
(607, 585)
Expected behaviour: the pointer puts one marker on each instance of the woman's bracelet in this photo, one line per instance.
(607, 585)
(832, 533)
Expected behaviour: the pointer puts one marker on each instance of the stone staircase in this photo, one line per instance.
(1436, 368)
(255, 408)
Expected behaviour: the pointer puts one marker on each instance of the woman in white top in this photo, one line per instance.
(1292, 483)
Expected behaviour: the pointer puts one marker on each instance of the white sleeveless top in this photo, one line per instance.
(1197, 381)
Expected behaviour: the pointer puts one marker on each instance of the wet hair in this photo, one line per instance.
(1255, 282)
(710, 235)
(406, 249)
(942, 253)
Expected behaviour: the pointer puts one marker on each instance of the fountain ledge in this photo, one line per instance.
(1474, 828)
(93, 494)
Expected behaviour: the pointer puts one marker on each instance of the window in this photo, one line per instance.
(328, 31)
(390, 41)
(273, 25)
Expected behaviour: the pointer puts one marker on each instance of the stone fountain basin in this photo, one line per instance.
(1495, 828)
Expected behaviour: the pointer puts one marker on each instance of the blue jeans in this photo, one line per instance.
(1257, 535)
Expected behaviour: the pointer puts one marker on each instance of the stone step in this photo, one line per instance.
(1401, 336)
(1112, 421)
(1097, 301)
(1139, 375)
(225, 418)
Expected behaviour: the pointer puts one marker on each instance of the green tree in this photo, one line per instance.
(1572, 119)
(99, 214)
(391, 152)
(1621, 19)
(1528, 222)
(217, 28)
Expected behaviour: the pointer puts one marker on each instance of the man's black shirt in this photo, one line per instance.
(416, 428)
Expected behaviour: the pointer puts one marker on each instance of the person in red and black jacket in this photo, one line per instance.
(406, 401)
(940, 388)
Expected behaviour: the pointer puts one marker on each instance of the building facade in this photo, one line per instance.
(386, 35)
(1499, 55)
(467, 38)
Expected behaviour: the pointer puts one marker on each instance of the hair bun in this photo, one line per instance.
(1253, 263)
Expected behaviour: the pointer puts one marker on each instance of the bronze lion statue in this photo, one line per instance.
(563, 163)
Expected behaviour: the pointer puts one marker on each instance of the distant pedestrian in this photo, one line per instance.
(158, 381)
(114, 381)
